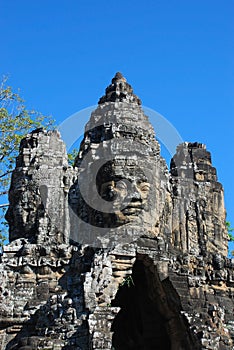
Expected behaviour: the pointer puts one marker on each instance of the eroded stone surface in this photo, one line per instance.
(117, 252)
(38, 194)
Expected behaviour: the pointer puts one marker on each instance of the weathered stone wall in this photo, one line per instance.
(118, 252)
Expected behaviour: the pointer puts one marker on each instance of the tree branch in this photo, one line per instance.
(4, 205)
(4, 192)
(6, 173)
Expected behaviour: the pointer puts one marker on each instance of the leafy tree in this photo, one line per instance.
(231, 237)
(230, 230)
(72, 156)
(15, 122)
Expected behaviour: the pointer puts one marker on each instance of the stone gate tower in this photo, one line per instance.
(118, 252)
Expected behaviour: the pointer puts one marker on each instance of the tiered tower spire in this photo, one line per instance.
(119, 90)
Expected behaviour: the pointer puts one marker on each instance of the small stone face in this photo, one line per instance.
(117, 252)
(38, 207)
(196, 190)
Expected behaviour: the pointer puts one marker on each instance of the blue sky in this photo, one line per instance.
(178, 55)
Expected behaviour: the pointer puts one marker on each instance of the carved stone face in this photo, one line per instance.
(129, 193)
(134, 195)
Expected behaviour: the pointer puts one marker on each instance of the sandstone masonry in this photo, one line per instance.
(118, 252)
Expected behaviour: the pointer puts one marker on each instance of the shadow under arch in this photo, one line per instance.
(150, 316)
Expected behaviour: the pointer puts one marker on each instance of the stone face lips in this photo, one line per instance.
(117, 252)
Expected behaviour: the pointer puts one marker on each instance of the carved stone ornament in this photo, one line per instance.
(118, 252)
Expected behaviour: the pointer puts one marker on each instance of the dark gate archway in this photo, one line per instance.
(150, 315)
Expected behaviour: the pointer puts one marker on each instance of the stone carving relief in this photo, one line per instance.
(118, 252)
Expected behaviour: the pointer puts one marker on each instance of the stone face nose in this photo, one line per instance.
(134, 194)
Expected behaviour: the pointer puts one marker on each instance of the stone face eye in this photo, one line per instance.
(144, 187)
(121, 185)
(107, 191)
